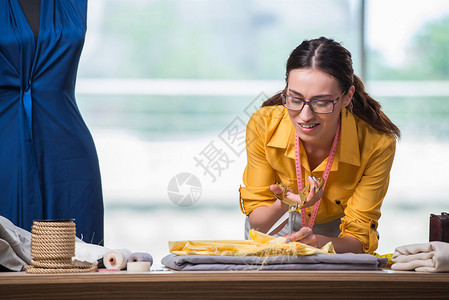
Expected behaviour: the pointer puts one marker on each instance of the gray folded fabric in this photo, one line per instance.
(346, 261)
(15, 245)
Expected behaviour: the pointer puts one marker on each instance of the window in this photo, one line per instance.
(408, 72)
(166, 88)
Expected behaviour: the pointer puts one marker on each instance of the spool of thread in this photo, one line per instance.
(116, 259)
(139, 262)
(140, 256)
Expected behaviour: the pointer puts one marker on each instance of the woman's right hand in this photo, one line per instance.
(312, 198)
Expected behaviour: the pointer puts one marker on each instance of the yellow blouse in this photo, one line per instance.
(356, 185)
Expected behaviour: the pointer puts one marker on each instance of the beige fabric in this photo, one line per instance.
(426, 257)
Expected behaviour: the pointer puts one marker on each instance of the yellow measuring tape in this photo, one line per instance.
(389, 255)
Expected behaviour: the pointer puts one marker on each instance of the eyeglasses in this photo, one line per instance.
(316, 106)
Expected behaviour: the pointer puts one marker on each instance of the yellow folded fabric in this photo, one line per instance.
(260, 245)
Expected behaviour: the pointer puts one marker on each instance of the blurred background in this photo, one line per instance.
(167, 86)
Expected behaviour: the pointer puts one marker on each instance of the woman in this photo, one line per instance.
(322, 128)
(48, 162)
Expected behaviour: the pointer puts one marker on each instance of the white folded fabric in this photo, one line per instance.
(86, 253)
(426, 257)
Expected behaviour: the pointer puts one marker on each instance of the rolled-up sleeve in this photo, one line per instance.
(362, 212)
(258, 174)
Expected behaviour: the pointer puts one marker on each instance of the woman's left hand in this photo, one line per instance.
(305, 235)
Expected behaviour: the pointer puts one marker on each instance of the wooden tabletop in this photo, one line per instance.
(162, 284)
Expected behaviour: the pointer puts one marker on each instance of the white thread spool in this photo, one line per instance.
(116, 259)
(139, 262)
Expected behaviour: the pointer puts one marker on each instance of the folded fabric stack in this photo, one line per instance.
(347, 261)
(426, 257)
(262, 252)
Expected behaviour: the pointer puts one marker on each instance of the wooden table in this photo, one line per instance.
(382, 284)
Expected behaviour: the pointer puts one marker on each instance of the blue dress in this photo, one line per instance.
(48, 162)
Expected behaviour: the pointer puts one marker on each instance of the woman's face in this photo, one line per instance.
(310, 84)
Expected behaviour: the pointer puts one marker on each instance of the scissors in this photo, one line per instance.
(294, 206)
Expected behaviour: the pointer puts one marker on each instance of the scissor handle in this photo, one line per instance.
(282, 195)
(306, 190)
(294, 206)
(291, 204)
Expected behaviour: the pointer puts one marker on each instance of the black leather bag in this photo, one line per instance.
(439, 227)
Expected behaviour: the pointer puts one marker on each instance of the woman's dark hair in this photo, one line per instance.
(330, 57)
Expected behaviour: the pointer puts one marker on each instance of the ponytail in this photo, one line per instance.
(369, 110)
(275, 100)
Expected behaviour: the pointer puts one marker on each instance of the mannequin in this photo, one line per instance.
(32, 11)
(49, 164)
